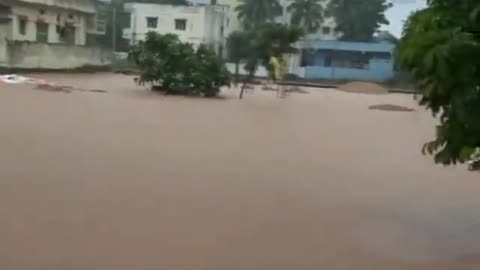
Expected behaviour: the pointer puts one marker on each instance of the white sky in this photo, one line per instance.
(399, 13)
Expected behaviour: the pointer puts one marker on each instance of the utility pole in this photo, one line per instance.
(114, 29)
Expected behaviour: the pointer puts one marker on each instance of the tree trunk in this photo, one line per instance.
(243, 88)
(247, 79)
(252, 66)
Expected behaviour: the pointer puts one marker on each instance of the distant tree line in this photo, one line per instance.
(356, 20)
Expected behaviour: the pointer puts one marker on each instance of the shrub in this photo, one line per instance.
(177, 67)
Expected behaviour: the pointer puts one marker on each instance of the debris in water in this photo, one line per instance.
(17, 79)
(98, 91)
(296, 89)
(53, 88)
(390, 107)
(363, 87)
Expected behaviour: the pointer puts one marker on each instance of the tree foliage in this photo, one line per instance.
(177, 67)
(238, 49)
(274, 39)
(253, 13)
(307, 14)
(358, 20)
(441, 47)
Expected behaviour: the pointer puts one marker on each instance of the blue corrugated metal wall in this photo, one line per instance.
(377, 69)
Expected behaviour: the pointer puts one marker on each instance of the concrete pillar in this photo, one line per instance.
(81, 32)
(53, 36)
(4, 36)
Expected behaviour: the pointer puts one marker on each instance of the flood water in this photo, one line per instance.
(130, 179)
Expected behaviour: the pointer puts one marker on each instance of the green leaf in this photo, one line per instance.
(441, 47)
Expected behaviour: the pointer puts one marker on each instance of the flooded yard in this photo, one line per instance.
(124, 178)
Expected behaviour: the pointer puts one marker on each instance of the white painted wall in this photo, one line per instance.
(4, 35)
(19, 50)
(53, 16)
(232, 21)
(216, 27)
(204, 23)
(292, 62)
(261, 71)
(55, 56)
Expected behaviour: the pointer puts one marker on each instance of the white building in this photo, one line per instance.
(50, 21)
(48, 34)
(194, 24)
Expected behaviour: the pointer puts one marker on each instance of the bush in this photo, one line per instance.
(177, 67)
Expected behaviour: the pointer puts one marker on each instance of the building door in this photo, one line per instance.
(69, 35)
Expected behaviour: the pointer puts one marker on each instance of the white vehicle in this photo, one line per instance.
(474, 165)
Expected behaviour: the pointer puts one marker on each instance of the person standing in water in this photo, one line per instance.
(276, 74)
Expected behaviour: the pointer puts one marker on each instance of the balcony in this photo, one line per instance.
(85, 6)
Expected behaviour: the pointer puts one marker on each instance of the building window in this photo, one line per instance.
(342, 59)
(101, 21)
(326, 30)
(67, 34)
(180, 24)
(379, 55)
(307, 56)
(152, 22)
(42, 32)
(22, 25)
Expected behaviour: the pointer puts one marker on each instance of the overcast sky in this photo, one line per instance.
(399, 12)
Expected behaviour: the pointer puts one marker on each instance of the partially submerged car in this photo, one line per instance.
(474, 165)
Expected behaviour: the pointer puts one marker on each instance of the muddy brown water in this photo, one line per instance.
(134, 180)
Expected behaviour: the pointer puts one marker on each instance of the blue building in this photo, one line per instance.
(339, 60)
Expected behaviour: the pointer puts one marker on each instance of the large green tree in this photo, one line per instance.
(253, 13)
(177, 67)
(266, 40)
(441, 47)
(238, 49)
(307, 14)
(358, 20)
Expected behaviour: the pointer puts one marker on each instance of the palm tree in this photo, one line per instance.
(307, 14)
(358, 20)
(255, 12)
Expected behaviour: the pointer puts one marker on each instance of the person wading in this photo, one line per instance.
(276, 75)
